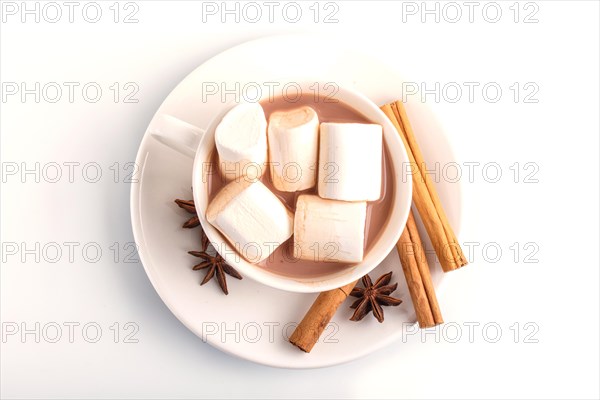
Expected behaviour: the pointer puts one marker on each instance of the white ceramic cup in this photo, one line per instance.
(200, 143)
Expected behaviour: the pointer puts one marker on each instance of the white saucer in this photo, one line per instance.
(253, 321)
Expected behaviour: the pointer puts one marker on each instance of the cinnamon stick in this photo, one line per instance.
(315, 321)
(425, 196)
(410, 248)
(418, 276)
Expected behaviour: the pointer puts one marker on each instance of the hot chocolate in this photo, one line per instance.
(282, 260)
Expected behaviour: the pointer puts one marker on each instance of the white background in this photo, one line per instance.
(558, 215)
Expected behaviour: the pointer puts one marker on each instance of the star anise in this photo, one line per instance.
(216, 265)
(190, 207)
(372, 296)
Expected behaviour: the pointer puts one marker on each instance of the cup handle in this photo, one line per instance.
(177, 134)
